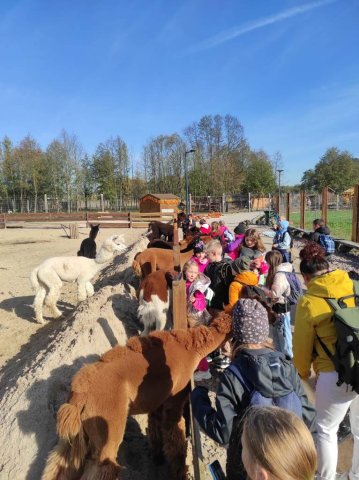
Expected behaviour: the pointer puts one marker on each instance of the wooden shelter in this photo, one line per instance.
(159, 203)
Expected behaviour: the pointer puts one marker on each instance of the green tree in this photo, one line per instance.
(336, 169)
(260, 175)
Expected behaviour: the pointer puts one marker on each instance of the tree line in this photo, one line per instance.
(222, 162)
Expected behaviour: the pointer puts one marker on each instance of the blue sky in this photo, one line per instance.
(287, 69)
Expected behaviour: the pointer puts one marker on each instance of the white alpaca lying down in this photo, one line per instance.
(47, 278)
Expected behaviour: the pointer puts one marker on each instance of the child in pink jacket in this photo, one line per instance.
(196, 285)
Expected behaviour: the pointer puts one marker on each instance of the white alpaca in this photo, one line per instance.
(155, 301)
(47, 278)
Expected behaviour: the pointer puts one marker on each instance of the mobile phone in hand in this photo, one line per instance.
(216, 471)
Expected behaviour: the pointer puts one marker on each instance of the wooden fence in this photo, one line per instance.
(104, 219)
(300, 211)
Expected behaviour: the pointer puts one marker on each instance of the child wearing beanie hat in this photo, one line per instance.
(241, 267)
(232, 248)
(282, 240)
(200, 256)
(255, 367)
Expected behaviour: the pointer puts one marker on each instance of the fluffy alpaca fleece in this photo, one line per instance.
(157, 229)
(47, 278)
(154, 259)
(155, 301)
(148, 375)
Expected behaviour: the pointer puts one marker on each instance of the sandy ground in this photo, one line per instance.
(22, 249)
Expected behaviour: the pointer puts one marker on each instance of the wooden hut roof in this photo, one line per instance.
(161, 196)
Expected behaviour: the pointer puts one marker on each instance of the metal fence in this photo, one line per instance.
(49, 204)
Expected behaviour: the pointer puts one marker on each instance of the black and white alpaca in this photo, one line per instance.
(88, 246)
(47, 278)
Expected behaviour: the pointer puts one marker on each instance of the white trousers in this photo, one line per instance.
(332, 403)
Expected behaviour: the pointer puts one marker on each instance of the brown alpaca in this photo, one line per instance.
(148, 375)
(154, 259)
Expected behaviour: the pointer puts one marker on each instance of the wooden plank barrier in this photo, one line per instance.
(179, 311)
(2, 221)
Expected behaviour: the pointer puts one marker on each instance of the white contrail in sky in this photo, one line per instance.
(249, 27)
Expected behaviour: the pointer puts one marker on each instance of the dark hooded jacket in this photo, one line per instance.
(314, 236)
(223, 422)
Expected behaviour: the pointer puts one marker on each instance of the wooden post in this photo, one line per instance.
(249, 201)
(325, 205)
(74, 230)
(178, 286)
(102, 203)
(355, 222)
(3, 221)
(190, 203)
(288, 206)
(302, 209)
(276, 202)
(180, 321)
(46, 207)
(129, 220)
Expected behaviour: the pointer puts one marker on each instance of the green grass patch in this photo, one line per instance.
(339, 222)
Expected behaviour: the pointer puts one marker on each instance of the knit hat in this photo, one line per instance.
(283, 224)
(198, 247)
(250, 321)
(240, 229)
(242, 264)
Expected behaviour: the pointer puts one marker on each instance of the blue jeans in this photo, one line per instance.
(282, 334)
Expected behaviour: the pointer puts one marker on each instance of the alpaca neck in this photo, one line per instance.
(103, 256)
(220, 331)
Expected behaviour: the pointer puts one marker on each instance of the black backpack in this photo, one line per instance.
(218, 272)
(254, 291)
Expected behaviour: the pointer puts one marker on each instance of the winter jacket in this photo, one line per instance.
(232, 248)
(205, 229)
(282, 240)
(198, 309)
(201, 266)
(314, 317)
(235, 288)
(280, 287)
(221, 276)
(256, 365)
(248, 252)
(314, 236)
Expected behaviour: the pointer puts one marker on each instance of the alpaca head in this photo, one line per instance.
(94, 231)
(113, 244)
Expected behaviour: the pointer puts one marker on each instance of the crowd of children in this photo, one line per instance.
(234, 273)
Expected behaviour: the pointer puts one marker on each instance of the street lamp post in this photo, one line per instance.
(279, 174)
(186, 178)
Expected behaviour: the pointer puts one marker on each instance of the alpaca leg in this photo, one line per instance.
(52, 281)
(155, 436)
(161, 320)
(38, 304)
(174, 436)
(52, 299)
(105, 432)
(89, 289)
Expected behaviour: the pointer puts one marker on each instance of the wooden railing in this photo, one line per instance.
(104, 219)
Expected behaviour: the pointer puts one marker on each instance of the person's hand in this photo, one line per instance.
(192, 299)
